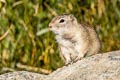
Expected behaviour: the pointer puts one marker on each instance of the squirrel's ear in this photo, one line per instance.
(73, 19)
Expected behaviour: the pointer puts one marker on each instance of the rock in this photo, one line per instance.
(22, 75)
(98, 67)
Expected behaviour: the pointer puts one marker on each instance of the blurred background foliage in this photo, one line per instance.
(29, 45)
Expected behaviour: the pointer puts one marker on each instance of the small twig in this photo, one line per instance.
(36, 7)
(4, 35)
(3, 1)
(7, 69)
(50, 9)
(26, 28)
(17, 3)
(23, 23)
(19, 65)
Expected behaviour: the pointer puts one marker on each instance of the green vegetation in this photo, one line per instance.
(30, 46)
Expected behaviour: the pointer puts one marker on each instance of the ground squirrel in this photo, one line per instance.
(75, 40)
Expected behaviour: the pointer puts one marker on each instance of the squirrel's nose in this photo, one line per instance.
(50, 25)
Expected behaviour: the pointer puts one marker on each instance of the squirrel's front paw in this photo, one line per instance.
(79, 57)
(68, 62)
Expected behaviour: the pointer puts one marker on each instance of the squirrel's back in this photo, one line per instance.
(95, 44)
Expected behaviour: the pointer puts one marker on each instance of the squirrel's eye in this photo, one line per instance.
(61, 21)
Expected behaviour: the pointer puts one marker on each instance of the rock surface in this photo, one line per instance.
(98, 67)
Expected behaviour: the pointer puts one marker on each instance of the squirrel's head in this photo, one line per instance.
(62, 21)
